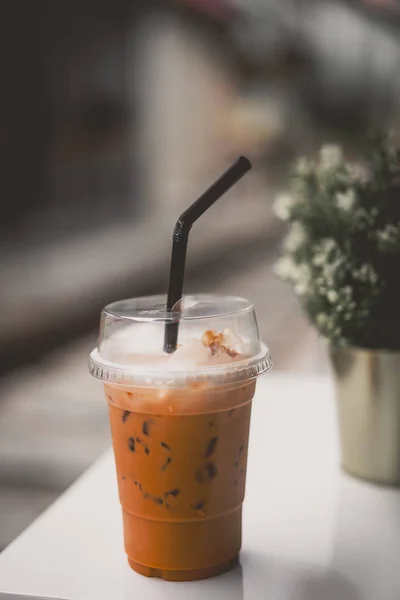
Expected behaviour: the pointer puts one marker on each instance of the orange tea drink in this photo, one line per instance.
(180, 431)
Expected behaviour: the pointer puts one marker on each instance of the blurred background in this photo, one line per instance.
(114, 116)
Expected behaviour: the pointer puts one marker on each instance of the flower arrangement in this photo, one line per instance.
(342, 251)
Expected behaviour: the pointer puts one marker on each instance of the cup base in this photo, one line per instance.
(184, 574)
(183, 550)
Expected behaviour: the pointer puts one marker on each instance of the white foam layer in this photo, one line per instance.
(142, 345)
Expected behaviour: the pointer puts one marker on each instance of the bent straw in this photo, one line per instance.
(181, 237)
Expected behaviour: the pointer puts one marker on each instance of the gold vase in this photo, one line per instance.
(368, 405)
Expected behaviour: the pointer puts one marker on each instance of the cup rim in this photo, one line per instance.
(241, 371)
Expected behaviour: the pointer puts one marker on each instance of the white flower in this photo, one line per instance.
(301, 287)
(345, 201)
(321, 319)
(332, 296)
(285, 268)
(302, 279)
(388, 238)
(387, 233)
(327, 245)
(329, 271)
(366, 274)
(318, 259)
(295, 238)
(331, 157)
(282, 206)
(323, 251)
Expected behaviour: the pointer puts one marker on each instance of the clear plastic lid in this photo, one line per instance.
(218, 341)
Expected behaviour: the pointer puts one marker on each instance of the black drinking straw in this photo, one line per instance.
(181, 236)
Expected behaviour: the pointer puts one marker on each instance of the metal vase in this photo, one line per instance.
(368, 405)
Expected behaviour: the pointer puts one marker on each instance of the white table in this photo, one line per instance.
(310, 532)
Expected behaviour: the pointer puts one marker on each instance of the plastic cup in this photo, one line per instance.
(180, 432)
